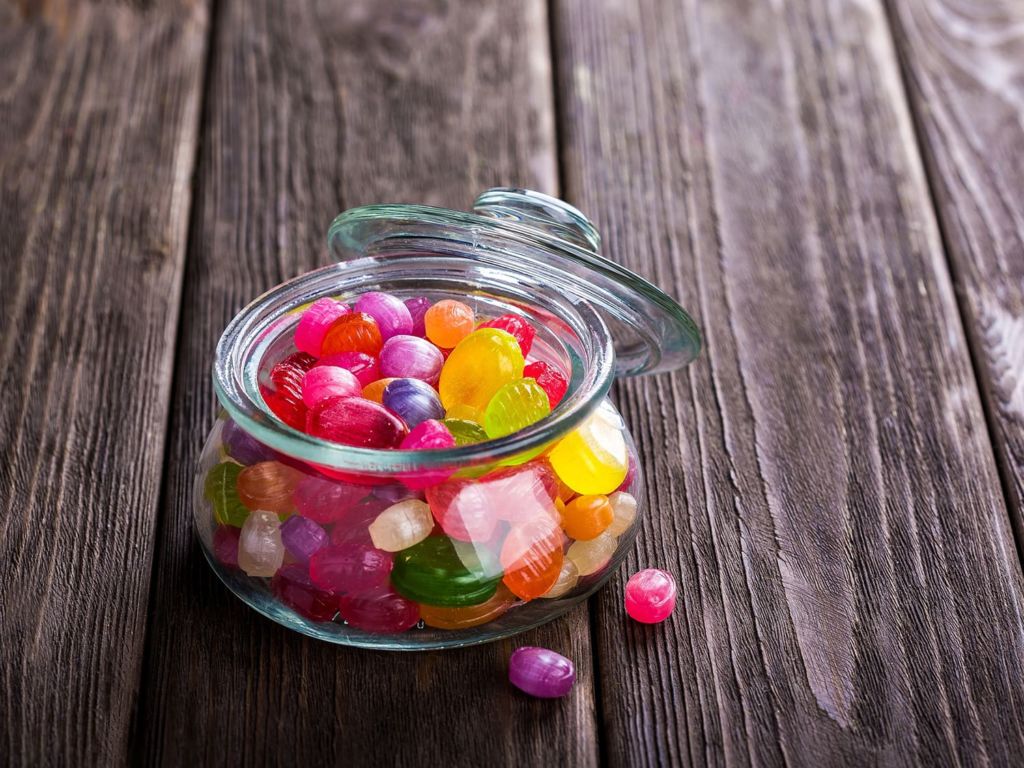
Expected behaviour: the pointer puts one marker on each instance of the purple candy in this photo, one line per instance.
(350, 566)
(225, 545)
(243, 447)
(391, 314)
(541, 673)
(418, 307)
(364, 366)
(410, 357)
(302, 537)
(414, 401)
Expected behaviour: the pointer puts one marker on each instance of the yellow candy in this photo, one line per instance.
(593, 459)
(478, 367)
(464, 412)
(516, 405)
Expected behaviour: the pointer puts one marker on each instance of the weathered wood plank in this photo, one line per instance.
(99, 107)
(315, 107)
(824, 484)
(964, 66)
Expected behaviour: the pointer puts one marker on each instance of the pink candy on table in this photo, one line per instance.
(379, 610)
(392, 316)
(313, 325)
(324, 382)
(410, 357)
(364, 366)
(650, 596)
(356, 421)
(429, 435)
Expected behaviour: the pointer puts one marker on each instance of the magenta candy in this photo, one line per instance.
(326, 501)
(302, 537)
(350, 566)
(413, 401)
(294, 588)
(243, 447)
(410, 357)
(392, 316)
(418, 307)
(430, 435)
(379, 610)
(356, 421)
(650, 596)
(225, 545)
(541, 672)
(364, 366)
(313, 325)
(328, 381)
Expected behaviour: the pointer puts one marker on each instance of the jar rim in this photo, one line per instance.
(265, 319)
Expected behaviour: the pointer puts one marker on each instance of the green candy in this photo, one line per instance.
(515, 406)
(465, 432)
(221, 489)
(436, 573)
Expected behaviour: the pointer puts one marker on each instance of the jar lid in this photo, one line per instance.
(651, 333)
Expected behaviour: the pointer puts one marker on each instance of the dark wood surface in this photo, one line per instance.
(830, 186)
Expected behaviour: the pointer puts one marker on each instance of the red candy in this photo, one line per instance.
(379, 610)
(551, 381)
(523, 332)
(355, 332)
(326, 382)
(356, 421)
(429, 435)
(294, 588)
(284, 396)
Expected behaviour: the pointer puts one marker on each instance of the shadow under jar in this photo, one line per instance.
(494, 555)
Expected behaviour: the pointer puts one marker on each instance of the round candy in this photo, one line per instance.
(650, 596)
(325, 382)
(378, 610)
(414, 401)
(448, 322)
(411, 357)
(355, 332)
(515, 405)
(375, 389)
(392, 316)
(269, 486)
(356, 421)
(518, 327)
(221, 488)
(464, 617)
(478, 367)
(349, 566)
(402, 525)
(429, 435)
(532, 557)
(260, 551)
(551, 381)
(418, 307)
(624, 512)
(302, 537)
(540, 672)
(568, 577)
(593, 458)
(363, 366)
(293, 587)
(325, 501)
(225, 545)
(435, 573)
(465, 432)
(587, 517)
(313, 325)
(591, 556)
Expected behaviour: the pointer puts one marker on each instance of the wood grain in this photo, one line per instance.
(99, 107)
(824, 486)
(314, 107)
(964, 66)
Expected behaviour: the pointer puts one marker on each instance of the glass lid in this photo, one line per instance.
(650, 331)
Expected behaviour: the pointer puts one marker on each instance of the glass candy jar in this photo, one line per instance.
(493, 537)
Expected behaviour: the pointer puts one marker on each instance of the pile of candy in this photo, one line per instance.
(451, 547)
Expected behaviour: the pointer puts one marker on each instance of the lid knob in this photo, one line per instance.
(535, 209)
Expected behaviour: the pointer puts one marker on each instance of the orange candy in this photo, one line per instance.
(532, 557)
(448, 322)
(268, 485)
(375, 390)
(587, 517)
(442, 617)
(354, 332)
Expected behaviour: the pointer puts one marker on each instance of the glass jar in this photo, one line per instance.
(292, 523)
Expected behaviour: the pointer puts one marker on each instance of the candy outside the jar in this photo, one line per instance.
(390, 313)
(478, 367)
(325, 501)
(593, 458)
(293, 587)
(363, 366)
(541, 672)
(448, 322)
(587, 517)
(411, 357)
(436, 573)
(260, 551)
(650, 596)
(328, 382)
(225, 545)
(551, 381)
(515, 406)
(313, 325)
(221, 489)
(593, 555)
(413, 401)
(302, 537)
(268, 485)
(523, 332)
(378, 610)
(418, 307)
(624, 512)
(429, 435)
(355, 332)
(356, 421)
(349, 566)
(402, 525)
(465, 617)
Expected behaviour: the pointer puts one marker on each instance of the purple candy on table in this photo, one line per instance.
(243, 447)
(379, 610)
(225, 545)
(350, 566)
(364, 366)
(418, 306)
(302, 537)
(413, 401)
(392, 316)
(541, 672)
(410, 357)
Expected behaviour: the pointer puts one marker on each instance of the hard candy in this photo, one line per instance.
(268, 485)
(515, 406)
(624, 512)
(356, 421)
(411, 357)
(241, 446)
(591, 556)
(650, 596)
(413, 401)
(284, 393)
(587, 517)
(479, 366)
(326, 501)
(532, 557)
(260, 551)
(566, 582)
(465, 432)
(302, 537)
(523, 332)
(313, 325)
(293, 587)
(448, 322)
(327, 382)
(436, 573)
(402, 525)
(355, 332)
(378, 610)
(541, 672)
(349, 566)
(593, 458)
(390, 313)
(375, 390)
(429, 435)
(550, 380)
(466, 617)
(221, 489)
(363, 366)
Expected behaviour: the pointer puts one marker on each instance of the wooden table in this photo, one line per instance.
(834, 188)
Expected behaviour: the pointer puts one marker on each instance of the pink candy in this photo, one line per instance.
(325, 501)
(356, 421)
(410, 357)
(364, 366)
(350, 566)
(327, 381)
(392, 316)
(379, 610)
(650, 596)
(429, 435)
(312, 327)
